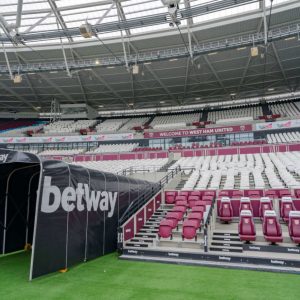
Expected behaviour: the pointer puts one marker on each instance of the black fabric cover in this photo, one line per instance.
(57, 220)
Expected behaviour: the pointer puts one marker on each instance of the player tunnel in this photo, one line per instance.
(68, 213)
(19, 180)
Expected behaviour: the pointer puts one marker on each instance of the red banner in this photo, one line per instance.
(199, 131)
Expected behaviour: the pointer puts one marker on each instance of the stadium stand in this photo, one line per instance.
(68, 127)
(175, 121)
(113, 148)
(117, 166)
(111, 125)
(235, 115)
(61, 152)
(285, 109)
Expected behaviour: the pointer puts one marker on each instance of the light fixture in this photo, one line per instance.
(173, 59)
(38, 107)
(97, 62)
(241, 48)
(31, 73)
(135, 69)
(53, 72)
(17, 78)
(110, 67)
(254, 51)
(87, 69)
(212, 53)
(100, 106)
(198, 98)
(233, 94)
(271, 89)
(162, 102)
(148, 63)
(86, 30)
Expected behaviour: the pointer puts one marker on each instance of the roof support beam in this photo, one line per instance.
(155, 76)
(266, 29)
(16, 95)
(105, 14)
(59, 17)
(281, 67)
(121, 16)
(19, 13)
(40, 21)
(103, 82)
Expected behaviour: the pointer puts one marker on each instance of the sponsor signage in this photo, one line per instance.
(277, 125)
(67, 139)
(199, 131)
(71, 213)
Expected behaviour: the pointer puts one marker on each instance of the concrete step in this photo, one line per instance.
(226, 249)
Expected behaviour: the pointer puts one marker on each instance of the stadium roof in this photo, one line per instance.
(206, 58)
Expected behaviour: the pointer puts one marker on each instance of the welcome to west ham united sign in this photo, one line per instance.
(200, 131)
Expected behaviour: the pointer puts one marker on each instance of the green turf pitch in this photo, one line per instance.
(110, 278)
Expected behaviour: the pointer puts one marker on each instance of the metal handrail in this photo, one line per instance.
(141, 200)
(206, 225)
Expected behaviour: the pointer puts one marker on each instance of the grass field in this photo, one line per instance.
(110, 278)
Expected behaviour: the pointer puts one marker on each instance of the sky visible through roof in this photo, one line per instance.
(38, 15)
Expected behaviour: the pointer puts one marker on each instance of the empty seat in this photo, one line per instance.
(223, 194)
(170, 199)
(174, 217)
(197, 217)
(271, 227)
(181, 198)
(165, 229)
(271, 194)
(253, 194)
(225, 210)
(294, 226)
(284, 193)
(209, 193)
(196, 193)
(192, 200)
(189, 230)
(198, 209)
(208, 199)
(236, 194)
(286, 205)
(181, 203)
(265, 204)
(245, 204)
(183, 193)
(180, 210)
(246, 226)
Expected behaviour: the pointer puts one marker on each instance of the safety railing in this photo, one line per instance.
(209, 225)
(141, 200)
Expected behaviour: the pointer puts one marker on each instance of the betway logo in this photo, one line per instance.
(81, 198)
(3, 157)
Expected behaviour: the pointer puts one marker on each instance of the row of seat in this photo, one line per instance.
(67, 126)
(225, 211)
(210, 169)
(284, 108)
(272, 230)
(114, 148)
(117, 166)
(190, 224)
(285, 137)
(236, 113)
(174, 121)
